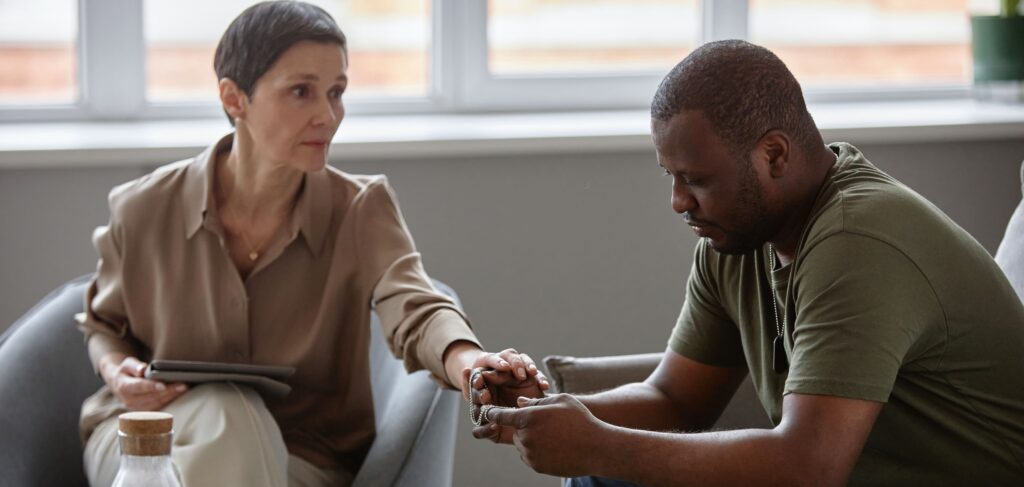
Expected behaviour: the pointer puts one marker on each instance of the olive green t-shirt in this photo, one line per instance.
(887, 300)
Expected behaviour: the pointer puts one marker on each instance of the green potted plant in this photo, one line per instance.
(997, 45)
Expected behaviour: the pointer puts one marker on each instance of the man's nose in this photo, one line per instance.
(682, 200)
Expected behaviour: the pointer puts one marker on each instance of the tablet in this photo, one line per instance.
(268, 379)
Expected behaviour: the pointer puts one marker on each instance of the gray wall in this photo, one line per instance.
(577, 255)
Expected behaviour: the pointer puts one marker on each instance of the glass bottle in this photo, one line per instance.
(145, 439)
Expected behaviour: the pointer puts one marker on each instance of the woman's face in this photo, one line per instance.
(296, 106)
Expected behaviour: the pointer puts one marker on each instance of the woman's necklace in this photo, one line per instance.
(254, 251)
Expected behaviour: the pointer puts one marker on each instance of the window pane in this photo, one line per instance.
(577, 36)
(38, 63)
(388, 41)
(865, 42)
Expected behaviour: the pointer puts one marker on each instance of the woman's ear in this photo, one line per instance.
(232, 98)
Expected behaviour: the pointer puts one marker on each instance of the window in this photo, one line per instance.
(388, 46)
(153, 58)
(864, 43)
(569, 54)
(38, 63)
(586, 36)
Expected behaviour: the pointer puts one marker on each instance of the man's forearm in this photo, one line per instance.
(817, 443)
(637, 406)
(726, 458)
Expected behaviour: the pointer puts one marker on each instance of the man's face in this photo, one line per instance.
(720, 196)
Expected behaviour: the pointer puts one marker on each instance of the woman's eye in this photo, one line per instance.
(300, 91)
(664, 172)
(336, 93)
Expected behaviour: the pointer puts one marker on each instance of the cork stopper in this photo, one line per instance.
(145, 433)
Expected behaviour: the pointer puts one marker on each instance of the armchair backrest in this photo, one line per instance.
(46, 376)
(1010, 255)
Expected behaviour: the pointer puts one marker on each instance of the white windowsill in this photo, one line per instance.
(148, 143)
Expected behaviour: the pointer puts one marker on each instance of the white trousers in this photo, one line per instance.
(223, 436)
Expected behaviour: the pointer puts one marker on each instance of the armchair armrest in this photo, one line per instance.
(581, 375)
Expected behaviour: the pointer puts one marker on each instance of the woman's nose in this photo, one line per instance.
(329, 114)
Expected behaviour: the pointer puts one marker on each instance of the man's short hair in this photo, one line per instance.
(261, 33)
(744, 90)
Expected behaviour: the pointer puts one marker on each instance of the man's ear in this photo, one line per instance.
(233, 99)
(774, 149)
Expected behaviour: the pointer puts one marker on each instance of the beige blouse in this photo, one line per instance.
(165, 288)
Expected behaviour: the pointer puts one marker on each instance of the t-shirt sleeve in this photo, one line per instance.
(704, 332)
(861, 306)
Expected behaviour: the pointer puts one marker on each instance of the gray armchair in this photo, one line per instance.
(1010, 255)
(46, 375)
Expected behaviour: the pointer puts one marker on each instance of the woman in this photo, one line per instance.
(256, 252)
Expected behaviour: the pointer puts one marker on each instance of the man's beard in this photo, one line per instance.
(752, 228)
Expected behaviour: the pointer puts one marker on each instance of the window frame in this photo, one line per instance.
(112, 72)
(482, 90)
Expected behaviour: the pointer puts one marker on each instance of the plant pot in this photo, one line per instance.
(997, 45)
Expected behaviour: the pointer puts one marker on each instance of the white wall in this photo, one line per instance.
(577, 255)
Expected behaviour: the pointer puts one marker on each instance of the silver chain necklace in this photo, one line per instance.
(780, 363)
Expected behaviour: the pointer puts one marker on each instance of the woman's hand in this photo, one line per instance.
(501, 389)
(124, 377)
(493, 378)
(508, 371)
(461, 357)
(502, 386)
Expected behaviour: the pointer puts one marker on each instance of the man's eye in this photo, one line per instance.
(664, 172)
(299, 91)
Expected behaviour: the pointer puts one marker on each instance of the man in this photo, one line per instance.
(883, 341)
